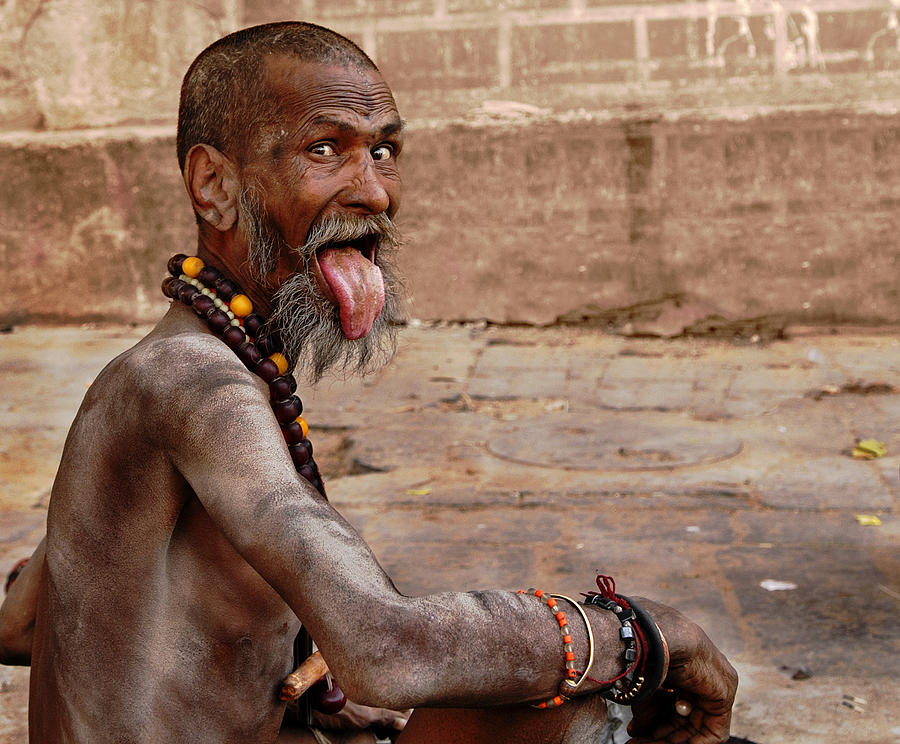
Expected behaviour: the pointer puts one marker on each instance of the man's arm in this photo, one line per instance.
(464, 649)
(17, 613)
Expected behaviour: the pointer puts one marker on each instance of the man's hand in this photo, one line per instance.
(355, 716)
(699, 674)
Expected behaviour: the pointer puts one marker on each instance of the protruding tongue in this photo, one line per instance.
(357, 284)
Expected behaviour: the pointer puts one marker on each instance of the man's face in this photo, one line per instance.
(318, 191)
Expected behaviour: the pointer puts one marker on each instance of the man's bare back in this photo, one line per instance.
(133, 551)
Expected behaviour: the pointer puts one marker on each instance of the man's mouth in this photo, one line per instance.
(350, 278)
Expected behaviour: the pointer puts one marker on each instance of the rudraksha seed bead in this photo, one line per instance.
(293, 434)
(174, 265)
(233, 336)
(281, 387)
(170, 287)
(208, 276)
(267, 343)
(287, 410)
(226, 289)
(217, 320)
(308, 471)
(299, 454)
(267, 369)
(202, 304)
(254, 323)
(248, 354)
(187, 293)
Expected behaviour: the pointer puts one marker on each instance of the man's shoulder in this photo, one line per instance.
(173, 365)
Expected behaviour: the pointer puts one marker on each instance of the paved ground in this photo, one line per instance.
(693, 471)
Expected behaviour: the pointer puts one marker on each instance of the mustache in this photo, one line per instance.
(344, 228)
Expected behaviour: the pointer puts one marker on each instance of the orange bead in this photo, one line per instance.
(567, 639)
(241, 306)
(303, 425)
(538, 593)
(570, 656)
(280, 361)
(551, 602)
(192, 266)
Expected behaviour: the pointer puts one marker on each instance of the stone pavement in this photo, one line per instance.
(694, 471)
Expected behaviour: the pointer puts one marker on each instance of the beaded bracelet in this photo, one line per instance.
(646, 651)
(560, 616)
(622, 688)
(569, 685)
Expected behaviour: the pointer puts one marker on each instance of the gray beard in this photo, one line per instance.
(306, 321)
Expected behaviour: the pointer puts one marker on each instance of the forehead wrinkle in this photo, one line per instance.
(347, 127)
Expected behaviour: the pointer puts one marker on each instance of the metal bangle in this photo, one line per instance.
(568, 685)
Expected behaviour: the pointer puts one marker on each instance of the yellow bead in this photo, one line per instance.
(241, 306)
(303, 425)
(192, 266)
(280, 361)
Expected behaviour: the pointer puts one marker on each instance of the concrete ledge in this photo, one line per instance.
(517, 217)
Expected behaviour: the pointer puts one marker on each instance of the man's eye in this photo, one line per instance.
(322, 148)
(383, 152)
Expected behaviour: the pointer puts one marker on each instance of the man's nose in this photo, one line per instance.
(366, 192)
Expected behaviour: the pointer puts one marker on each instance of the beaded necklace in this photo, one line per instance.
(228, 313)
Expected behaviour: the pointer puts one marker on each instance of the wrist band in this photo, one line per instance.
(646, 651)
(656, 666)
(569, 684)
(623, 688)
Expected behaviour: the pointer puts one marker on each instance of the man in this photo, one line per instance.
(183, 543)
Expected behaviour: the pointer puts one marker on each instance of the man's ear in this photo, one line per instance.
(212, 183)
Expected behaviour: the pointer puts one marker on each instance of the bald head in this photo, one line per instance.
(225, 96)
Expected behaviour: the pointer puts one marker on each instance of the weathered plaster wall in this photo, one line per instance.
(565, 157)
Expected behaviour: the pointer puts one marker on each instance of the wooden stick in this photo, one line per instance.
(303, 677)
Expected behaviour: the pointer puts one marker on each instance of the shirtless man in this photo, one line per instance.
(183, 542)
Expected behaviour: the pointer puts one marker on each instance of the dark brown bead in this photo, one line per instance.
(267, 369)
(202, 304)
(267, 343)
(187, 292)
(248, 354)
(234, 336)
(226, 289)
(217, 320)
(254, 324)
(280, 388)
(174, 265)
(169, 287)
(208, 276)
(287, 410)
(293, 434)
(308, 471)
(299, 454)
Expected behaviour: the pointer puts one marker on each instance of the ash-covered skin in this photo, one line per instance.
(183, 548)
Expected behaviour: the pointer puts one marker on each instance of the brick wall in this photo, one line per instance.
(564, 157)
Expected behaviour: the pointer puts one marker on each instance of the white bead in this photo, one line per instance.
(236, 323)
(683, 708)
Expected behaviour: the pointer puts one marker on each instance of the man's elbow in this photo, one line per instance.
(384, 684)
